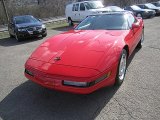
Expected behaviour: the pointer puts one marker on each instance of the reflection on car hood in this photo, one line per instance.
(81, 48)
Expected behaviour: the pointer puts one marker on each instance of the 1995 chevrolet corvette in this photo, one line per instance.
(91, 56)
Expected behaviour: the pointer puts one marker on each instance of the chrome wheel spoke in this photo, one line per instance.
(122, 67)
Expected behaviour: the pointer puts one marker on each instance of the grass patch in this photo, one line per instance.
(4, 35)
(56, 25)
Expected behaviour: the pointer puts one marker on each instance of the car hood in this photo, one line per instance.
(144, 10)
(148, 10)
(155, 8)
(78, 48)
(28, 25)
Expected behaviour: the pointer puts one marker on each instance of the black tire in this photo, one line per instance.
(44, 35)
(141, 40)
(11, 36)
(70, 22)
(18, 38)
(120, 78)
(139, 15)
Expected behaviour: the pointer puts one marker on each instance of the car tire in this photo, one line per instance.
(17, 38)
(70, 22)
(141, 40)
(11, 36)
(122, 66)
(139, 15)
(44, 35)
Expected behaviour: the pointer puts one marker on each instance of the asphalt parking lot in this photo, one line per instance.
(137, 98)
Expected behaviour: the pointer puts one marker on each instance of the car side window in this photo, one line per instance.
(77, 7)
(73, 8)
(82, 7)
(142, 6)
(145, 7)
(131, 20)
(87, 5)
(130, 9)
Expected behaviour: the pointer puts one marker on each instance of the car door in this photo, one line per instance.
(131, 39)
(82, 12)
(75, 12)
(134, 34)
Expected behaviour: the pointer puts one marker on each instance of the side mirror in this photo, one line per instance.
(40, 20)
(135, 25)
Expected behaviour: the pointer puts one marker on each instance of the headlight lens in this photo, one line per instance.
(103, 77)
(86, 84)
(43, 26)
(29, 72)
(77, 84)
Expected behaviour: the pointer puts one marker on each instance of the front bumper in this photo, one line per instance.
(55, 83)
(148, 15)
(157, 12)
(27, 34)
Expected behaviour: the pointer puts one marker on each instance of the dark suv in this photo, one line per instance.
(157, 4)
(144, 13)
(26, 26)
(151, 7)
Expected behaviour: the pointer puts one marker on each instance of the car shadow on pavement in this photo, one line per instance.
(132, 56)
(30, 101)
(12, 41)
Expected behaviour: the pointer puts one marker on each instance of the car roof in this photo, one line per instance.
(143, 4)
(81, 2)
(23, 16)
(113, 13)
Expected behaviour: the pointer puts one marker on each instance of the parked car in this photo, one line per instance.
(26, 26)
(157, 4)
(137, 11)
(150, 6)
(91, 56)
(77, 11)
(114, 8)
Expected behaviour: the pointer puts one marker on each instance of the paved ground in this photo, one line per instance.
(137, 98)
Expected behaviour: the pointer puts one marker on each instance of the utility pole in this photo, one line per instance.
(5, 10)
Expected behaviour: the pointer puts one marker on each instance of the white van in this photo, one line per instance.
(77, 11)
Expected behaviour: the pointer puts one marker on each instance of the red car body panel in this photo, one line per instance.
(85, 55)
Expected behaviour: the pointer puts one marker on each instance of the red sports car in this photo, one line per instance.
(91, 56)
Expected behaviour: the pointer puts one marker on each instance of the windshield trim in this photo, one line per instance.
(34, 20)
(91, 25)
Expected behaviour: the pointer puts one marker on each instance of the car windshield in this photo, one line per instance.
(115, 8)
(94, 5)
(156, 4)
(104, 22)
(149, 5)
(134, 7)
(25, 19)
